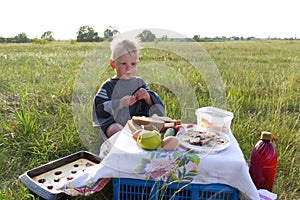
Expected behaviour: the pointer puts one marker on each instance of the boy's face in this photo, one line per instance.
(125, 66)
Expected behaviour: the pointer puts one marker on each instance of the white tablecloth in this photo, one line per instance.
(123, 158)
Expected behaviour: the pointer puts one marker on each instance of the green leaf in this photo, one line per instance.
(181, 162)
(145, 161)
(189, 177)
(180, 174)
(140, 169)
(193, 172)
(183, 170)
(193, 157)
(174, 177)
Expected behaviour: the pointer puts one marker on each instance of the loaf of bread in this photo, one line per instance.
(160, 124)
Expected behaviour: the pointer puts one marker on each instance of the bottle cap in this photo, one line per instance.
(266, 135)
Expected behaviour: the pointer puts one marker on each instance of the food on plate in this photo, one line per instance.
(170, 143)
(203, 138)
(149, 140)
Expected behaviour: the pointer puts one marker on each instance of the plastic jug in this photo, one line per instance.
(263, 160)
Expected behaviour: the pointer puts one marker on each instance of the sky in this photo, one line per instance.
(207, 18)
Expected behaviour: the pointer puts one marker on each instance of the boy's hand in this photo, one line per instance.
(127, 101)
(143, 94)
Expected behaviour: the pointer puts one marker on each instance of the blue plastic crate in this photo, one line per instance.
(134, 189)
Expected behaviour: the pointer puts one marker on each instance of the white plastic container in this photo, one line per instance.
(215, 119)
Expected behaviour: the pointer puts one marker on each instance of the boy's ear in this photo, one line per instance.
(112, 64)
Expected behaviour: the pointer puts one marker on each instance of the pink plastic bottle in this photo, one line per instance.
(263, 161)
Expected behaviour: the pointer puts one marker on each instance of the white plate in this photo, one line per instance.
(205, 149)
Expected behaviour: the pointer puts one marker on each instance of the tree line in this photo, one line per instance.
(88, 34)
(84, 34)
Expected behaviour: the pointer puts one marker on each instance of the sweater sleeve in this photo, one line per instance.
(158, 106)
(103, 109)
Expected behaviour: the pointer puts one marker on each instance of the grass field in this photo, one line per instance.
(37, 125)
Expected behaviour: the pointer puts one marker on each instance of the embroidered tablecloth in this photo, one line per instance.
(123, 158)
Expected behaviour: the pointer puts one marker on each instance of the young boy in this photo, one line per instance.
(124, 95)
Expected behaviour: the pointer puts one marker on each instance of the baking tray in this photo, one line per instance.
(41, 180)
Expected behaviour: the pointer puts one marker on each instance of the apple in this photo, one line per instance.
(177, 128)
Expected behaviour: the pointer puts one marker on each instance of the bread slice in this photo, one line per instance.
(148, 123)
(155, 122)
(167, 119)
(139, 125)
(133, 127)
(141, 120)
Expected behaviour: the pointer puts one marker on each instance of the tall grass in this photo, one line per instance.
(263, 92)
(37, 125)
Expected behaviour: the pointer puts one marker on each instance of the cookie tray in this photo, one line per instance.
(41, 180)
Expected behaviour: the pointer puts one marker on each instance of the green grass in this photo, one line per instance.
(37, 124)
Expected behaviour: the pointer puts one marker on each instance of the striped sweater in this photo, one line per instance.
(107, 100)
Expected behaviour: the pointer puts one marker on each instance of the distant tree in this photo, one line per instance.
(110, 33)
(87, 34)
(196, 38)
(38, 41)
(49, 36)
(21, 38)
(235, 38)
(2, 39)
(164, 37)
(251, 38)
(146, 36)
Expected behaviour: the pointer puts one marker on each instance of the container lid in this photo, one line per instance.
(266, 135)
(214, 112)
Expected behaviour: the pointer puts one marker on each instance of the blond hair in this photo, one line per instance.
(121, 47)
